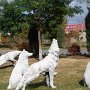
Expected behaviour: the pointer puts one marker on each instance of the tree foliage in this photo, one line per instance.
(45, 13)
(12, 18)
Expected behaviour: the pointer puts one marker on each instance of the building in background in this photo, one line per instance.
(76, 34)
(75, 27)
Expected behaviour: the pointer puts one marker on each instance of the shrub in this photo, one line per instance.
(23, 45)
(74, 49)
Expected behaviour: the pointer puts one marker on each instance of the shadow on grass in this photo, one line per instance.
(3, 67)
(36, 85)
(82, 83)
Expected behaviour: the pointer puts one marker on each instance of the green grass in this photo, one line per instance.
(70, 73)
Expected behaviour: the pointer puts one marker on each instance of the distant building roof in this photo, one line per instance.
(75, 27)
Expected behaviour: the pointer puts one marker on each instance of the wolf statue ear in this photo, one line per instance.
(23, 49)
(54, 39)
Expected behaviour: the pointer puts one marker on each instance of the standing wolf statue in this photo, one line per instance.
(48, 64)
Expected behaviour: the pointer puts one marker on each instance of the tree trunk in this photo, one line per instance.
(40, 46)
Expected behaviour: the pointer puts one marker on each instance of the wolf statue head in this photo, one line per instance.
(54, 48)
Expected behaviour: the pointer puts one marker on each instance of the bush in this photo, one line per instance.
(74, 49)
(23, 45)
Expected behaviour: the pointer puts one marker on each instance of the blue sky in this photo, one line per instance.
(78, 18)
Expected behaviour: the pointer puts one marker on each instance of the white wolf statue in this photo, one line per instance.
(87, 75)
(48, 64)
(53, 45)
(19, 69)
(9, 56)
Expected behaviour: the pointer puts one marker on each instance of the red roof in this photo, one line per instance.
(75, 27)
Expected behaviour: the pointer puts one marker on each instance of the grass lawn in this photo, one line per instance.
(70, 73)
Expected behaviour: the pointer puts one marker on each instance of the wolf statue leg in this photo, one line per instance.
(51, 74)
(47, 79)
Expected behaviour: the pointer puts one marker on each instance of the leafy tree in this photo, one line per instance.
(46, 14)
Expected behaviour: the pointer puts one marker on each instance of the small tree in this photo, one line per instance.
(60, 36)
(61, 33)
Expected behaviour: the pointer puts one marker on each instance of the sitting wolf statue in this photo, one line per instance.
(87, 75)
(19, 69)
